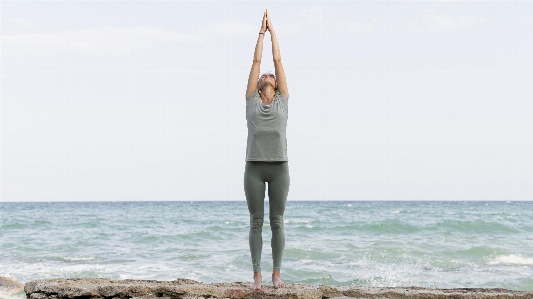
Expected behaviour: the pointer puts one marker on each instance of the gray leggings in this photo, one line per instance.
(256, 174)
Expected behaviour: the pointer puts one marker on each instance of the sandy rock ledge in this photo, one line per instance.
(104, 288)
(9, 287)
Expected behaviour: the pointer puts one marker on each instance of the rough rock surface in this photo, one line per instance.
(104, 288)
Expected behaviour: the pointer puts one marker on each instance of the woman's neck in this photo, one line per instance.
(267, 94)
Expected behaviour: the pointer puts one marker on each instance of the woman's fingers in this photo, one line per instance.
(269, 21)
(264, 24)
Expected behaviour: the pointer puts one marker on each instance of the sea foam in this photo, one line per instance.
(511, 259)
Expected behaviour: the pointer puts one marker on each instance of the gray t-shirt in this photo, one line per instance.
(267, 125)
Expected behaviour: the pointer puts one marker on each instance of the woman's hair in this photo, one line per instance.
(269, 72)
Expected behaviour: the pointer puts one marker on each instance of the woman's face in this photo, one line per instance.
(267, 79)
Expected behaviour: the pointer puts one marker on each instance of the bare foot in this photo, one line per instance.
(277, 281)
(257, 281)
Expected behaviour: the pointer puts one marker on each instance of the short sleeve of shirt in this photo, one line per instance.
(284, 102)
(248, 98)
(282, 95)
(252, 95)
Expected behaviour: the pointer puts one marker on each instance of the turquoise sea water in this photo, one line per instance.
(383, 243)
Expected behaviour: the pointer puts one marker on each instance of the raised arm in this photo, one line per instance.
(254, 72)
(278, 67)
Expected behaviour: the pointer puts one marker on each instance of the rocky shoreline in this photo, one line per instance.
(104, 288)
(10, 287)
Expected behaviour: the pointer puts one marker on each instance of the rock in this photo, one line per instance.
(9, 287)
(104, 288)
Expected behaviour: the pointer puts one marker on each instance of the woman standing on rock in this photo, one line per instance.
(266, 154)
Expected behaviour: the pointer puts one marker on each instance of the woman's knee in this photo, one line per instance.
(256, 222)
(276, 222)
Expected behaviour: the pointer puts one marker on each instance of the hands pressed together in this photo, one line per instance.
(267, 23)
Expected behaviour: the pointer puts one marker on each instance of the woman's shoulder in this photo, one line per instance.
(280, 94)
(255, 93)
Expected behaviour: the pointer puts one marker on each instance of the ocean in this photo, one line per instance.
(436, 244)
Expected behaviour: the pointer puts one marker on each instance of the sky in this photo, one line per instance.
(145, 100)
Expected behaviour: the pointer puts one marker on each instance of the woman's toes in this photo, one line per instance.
(255, 286)
(278, 283)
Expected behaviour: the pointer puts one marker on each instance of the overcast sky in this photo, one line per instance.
(145, 100)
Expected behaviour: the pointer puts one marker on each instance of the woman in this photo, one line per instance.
(266, 155)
